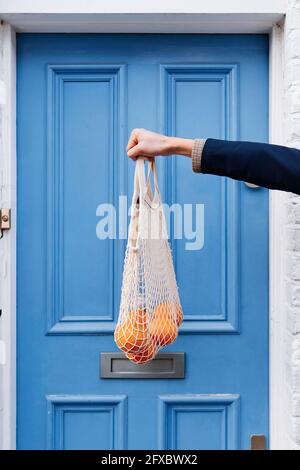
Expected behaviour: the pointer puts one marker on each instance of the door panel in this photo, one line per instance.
(84, 126)
(78, 98)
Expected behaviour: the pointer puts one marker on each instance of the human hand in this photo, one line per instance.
(148, 144)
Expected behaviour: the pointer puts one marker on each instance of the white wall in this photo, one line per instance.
(291, 228)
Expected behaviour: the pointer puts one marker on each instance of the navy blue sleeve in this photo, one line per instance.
(271, 166)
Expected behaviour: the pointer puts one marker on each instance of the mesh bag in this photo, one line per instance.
(150, 310)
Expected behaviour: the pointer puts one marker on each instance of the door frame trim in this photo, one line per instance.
(8, 271)
(278, 402)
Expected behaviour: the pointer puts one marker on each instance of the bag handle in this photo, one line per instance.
(152, 168)
(142, 189)
(145, 185)
(137, 194)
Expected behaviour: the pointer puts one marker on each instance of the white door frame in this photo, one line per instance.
(216, 19)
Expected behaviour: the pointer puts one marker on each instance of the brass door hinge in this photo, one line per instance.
(258, 442)
(5, 220)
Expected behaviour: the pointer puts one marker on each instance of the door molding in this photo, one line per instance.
(278, 403)
(254, 20)
(8, 242)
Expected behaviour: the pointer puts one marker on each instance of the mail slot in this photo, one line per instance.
(163, 366)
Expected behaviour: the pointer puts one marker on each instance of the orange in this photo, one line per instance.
(169, 307)
(139, 317)
(146, 355)
(179, 314)
(163, 328)
(132, 334)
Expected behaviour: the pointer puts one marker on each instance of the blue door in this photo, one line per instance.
(78, 98)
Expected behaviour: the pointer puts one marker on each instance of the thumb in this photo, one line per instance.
(134, 152)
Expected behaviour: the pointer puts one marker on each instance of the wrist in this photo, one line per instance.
(179, 146)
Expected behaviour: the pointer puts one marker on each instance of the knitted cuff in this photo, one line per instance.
(197, 150)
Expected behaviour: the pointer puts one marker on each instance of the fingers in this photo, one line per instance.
(136, 146)
(133, 139)
(137, 152)
(132, 144)
(134, 151)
